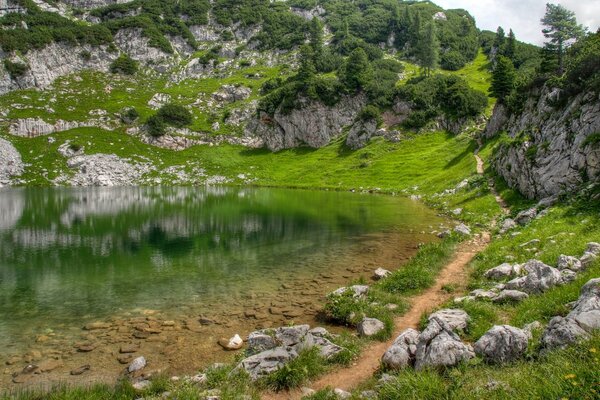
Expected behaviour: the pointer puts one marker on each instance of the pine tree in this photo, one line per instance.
(307, 68)
(429, 49)
(500, 38)
(503, 78)
(562, 29)
(511, 46)
(356, 71)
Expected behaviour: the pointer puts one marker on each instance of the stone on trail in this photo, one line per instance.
(370, 327)
(342, 394)
(462, 229)
(402, 352)
(502, 344)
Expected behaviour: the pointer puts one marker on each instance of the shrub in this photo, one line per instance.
(452, 61)
(175, 115)
(156, 126)
(124, 65)
(368, 113)
(129, 115)
(307, 365)
(15, 69)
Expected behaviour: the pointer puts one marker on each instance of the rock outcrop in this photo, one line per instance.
(312, 123)
(403, 352)
(550, 153)
(439, 346)
(502, 343)
(579, 323)
(104, 170)
(11, 164)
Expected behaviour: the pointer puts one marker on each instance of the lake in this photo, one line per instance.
(187, 264)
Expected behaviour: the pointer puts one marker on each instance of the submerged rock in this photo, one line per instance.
(381, 273)
(137, 364)
(234, 343)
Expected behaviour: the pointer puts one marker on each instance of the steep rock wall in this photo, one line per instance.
(551, 150)
(312, 123)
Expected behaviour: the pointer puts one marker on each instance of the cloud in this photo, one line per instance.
(523, 16)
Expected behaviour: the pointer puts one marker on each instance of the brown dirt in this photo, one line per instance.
(453, 274)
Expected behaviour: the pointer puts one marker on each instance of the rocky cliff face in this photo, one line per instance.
(312, 123)
(11, 164)
(551, 150)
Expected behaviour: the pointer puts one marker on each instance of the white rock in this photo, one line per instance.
(370, 327)
(137, 364)
(381, 273)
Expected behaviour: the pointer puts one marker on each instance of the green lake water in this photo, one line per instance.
(68, 256)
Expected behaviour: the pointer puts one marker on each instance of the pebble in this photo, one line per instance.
(80, 370)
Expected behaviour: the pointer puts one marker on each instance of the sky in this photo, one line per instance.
(523, 16)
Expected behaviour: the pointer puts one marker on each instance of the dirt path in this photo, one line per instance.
(454, 273)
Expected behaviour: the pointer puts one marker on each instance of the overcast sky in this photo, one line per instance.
(523, 16)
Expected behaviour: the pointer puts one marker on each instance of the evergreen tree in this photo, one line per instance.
(316, 36)
(307, 68)
(511, 46)
(356, 71)
(429, 49)
(503, 78)
(500, 39)
(562, 29)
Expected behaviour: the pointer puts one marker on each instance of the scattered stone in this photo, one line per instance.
(306, 392)
(455, 318)
(97, 325)
(587, 259)
(359, 291)
(200, 379)
(234, 343)
(462, 229)
(532, 327)
(481, 294)
(142, 385)
(502, 344)
(342, 394)
(507, 225)
(439, 346)
(368, 394)
(370, 327)
(540, 277)
(391, 307)
(381, 273)
(566, 276)
(81, 370)
(137, 364)
(593, 248)
(86, 347)
(568, 262)
(533, 242)
(457, 211)
(267, 362)
(444, 234)
(402, 353)
(125, 358)
(562, 332)
(510, 296)
(525, 217)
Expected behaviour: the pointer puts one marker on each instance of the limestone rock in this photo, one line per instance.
(358, 291)
(231, 93)
(260, 341)
(402, 353)
(456, 319)
(137, 364)
(462, 229)
(568, 262)
(503, 271)
(562, 332)
(268, 361)
(587, 259)
(507, 225)
(342, 394)
(593, 248)
(540, 277)
(234, 343)
(440, 347)
(312, 123)
(370, 327)
(501, 344)
(360, 134)
(510, 296)
(11, 164)
(526, 216)
(381, 273)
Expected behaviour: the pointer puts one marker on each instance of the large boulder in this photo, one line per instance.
(439, 346)
(267, 362)
(501, 344)
(456, 319)
(540, 277)
(526, 216)
(562, 332)
(568, 262)
(360, 134)
(402, 353)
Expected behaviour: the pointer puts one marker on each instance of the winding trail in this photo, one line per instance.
(454, 273)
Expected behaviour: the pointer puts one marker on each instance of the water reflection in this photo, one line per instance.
(68, 254)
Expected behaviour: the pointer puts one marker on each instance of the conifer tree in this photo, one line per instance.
(503, 78)
(429, 49)
(562, 29)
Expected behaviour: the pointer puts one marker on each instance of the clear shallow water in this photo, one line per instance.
(70, 256)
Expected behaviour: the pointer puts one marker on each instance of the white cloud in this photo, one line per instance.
(523, 16)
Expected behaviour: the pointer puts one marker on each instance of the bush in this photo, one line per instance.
(370, 113)
(307, 365)
(15, 69)
(452, 61)
(156, 126)
(129, 115)
(124, 65)
(175, 115)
